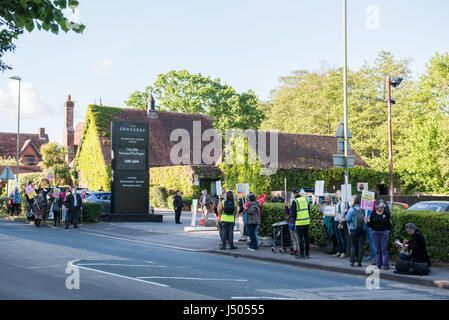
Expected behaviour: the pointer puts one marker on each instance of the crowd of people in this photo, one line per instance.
(62, 206)
(345, 232)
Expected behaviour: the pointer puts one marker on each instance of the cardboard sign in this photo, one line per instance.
(30, 192)
(240, 189)
(367, 200)
(329, 210)
(319, 188)
(50, 175)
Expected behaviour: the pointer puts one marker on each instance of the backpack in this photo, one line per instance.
(56, 206)
(359, 220)
(229, 207)
(253, 209)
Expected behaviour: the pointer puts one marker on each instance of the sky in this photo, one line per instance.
(247, 44)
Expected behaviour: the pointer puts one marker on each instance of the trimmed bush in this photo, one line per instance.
(275, 212)
(158, 197)
(186, 200)
(91, 211)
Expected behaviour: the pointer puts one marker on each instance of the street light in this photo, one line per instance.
(18, 126)
(391, 83)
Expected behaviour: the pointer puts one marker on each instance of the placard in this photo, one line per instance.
(367, 200)
(319, 188)
(219, 189)
(362, 186)
(240, 189)
(329, 210)
(346, 193)
(30, 192)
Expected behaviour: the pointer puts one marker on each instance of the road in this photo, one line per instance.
(46, 263)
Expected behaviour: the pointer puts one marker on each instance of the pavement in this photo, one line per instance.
(200, 239)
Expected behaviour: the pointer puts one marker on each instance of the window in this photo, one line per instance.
(29, 160)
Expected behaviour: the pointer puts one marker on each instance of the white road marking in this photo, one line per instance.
(143, 242)
(188, 278)
(120, 265)
(117, 275)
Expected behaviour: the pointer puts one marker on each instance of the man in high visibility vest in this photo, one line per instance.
(301, 212)
(228, 221)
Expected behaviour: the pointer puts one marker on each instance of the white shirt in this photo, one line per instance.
(75, 203)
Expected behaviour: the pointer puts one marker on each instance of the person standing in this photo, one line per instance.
(380, 224)
(16, 201)
(205, 204)
(64, 203)
(74, 207)
(328, 227)
(357, 230)
(253, 221)
(228, 221)
(242, 205)
(178, 205)
(39, 208)
(339, 227)
(301, 211)
(277, 198)
(294, 249)
(56, 200)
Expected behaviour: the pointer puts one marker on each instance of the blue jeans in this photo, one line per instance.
(372, 247)
(341, 240)
(252, 232)
(403, 257)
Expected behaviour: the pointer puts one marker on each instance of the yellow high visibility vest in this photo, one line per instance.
(227, 217)
(302, 211)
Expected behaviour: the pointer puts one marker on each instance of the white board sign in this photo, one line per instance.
(319, 188)
(346, 193)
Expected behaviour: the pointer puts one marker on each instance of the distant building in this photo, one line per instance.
(29, 149)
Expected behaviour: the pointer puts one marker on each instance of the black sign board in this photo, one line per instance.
(130, 134)
(130, 169)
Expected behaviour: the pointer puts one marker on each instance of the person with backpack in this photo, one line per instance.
(15, 201)
(253, 221)
(380, 224)
(227, 218)
(357, 230)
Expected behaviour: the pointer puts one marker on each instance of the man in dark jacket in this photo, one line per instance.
(74, 207)
(178, 204)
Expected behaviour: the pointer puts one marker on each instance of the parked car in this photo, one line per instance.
(437, 206)
(103, 198)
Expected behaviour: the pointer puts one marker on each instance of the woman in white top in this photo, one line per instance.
(339, 226)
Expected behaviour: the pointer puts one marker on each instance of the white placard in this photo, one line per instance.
(329, 210)
(246, 188)
(219, 190)
(319, 188)
(346, 193)
(362, 186)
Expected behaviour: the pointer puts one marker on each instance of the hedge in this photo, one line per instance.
(186, 200)
(91, 211)
(158, 197)
(434, 226)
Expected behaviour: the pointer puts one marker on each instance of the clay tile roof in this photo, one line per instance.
(8, 142)
(304, 151)
(160, 131)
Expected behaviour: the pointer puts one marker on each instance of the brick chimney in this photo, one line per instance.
(151, 107)
(68, 138)
(41, 132)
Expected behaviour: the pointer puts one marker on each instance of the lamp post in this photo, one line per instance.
(395, 82)
(345, 94)
(18, 126)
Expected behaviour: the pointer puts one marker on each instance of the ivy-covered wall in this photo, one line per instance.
(173, 178)
(89, 163)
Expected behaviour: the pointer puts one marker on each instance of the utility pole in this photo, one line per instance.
(345, 92)
(390, 144)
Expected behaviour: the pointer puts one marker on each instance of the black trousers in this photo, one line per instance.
(178, 214)
(303, 239)
(72, 215)
(357, 242)
(227, 233)
(57, 218)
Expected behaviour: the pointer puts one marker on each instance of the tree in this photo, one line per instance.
(180, 91)
(53, 158)
(18, 15)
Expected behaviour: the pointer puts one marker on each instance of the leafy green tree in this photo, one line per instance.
(18, 15)
(180, 91)
(53, 158)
